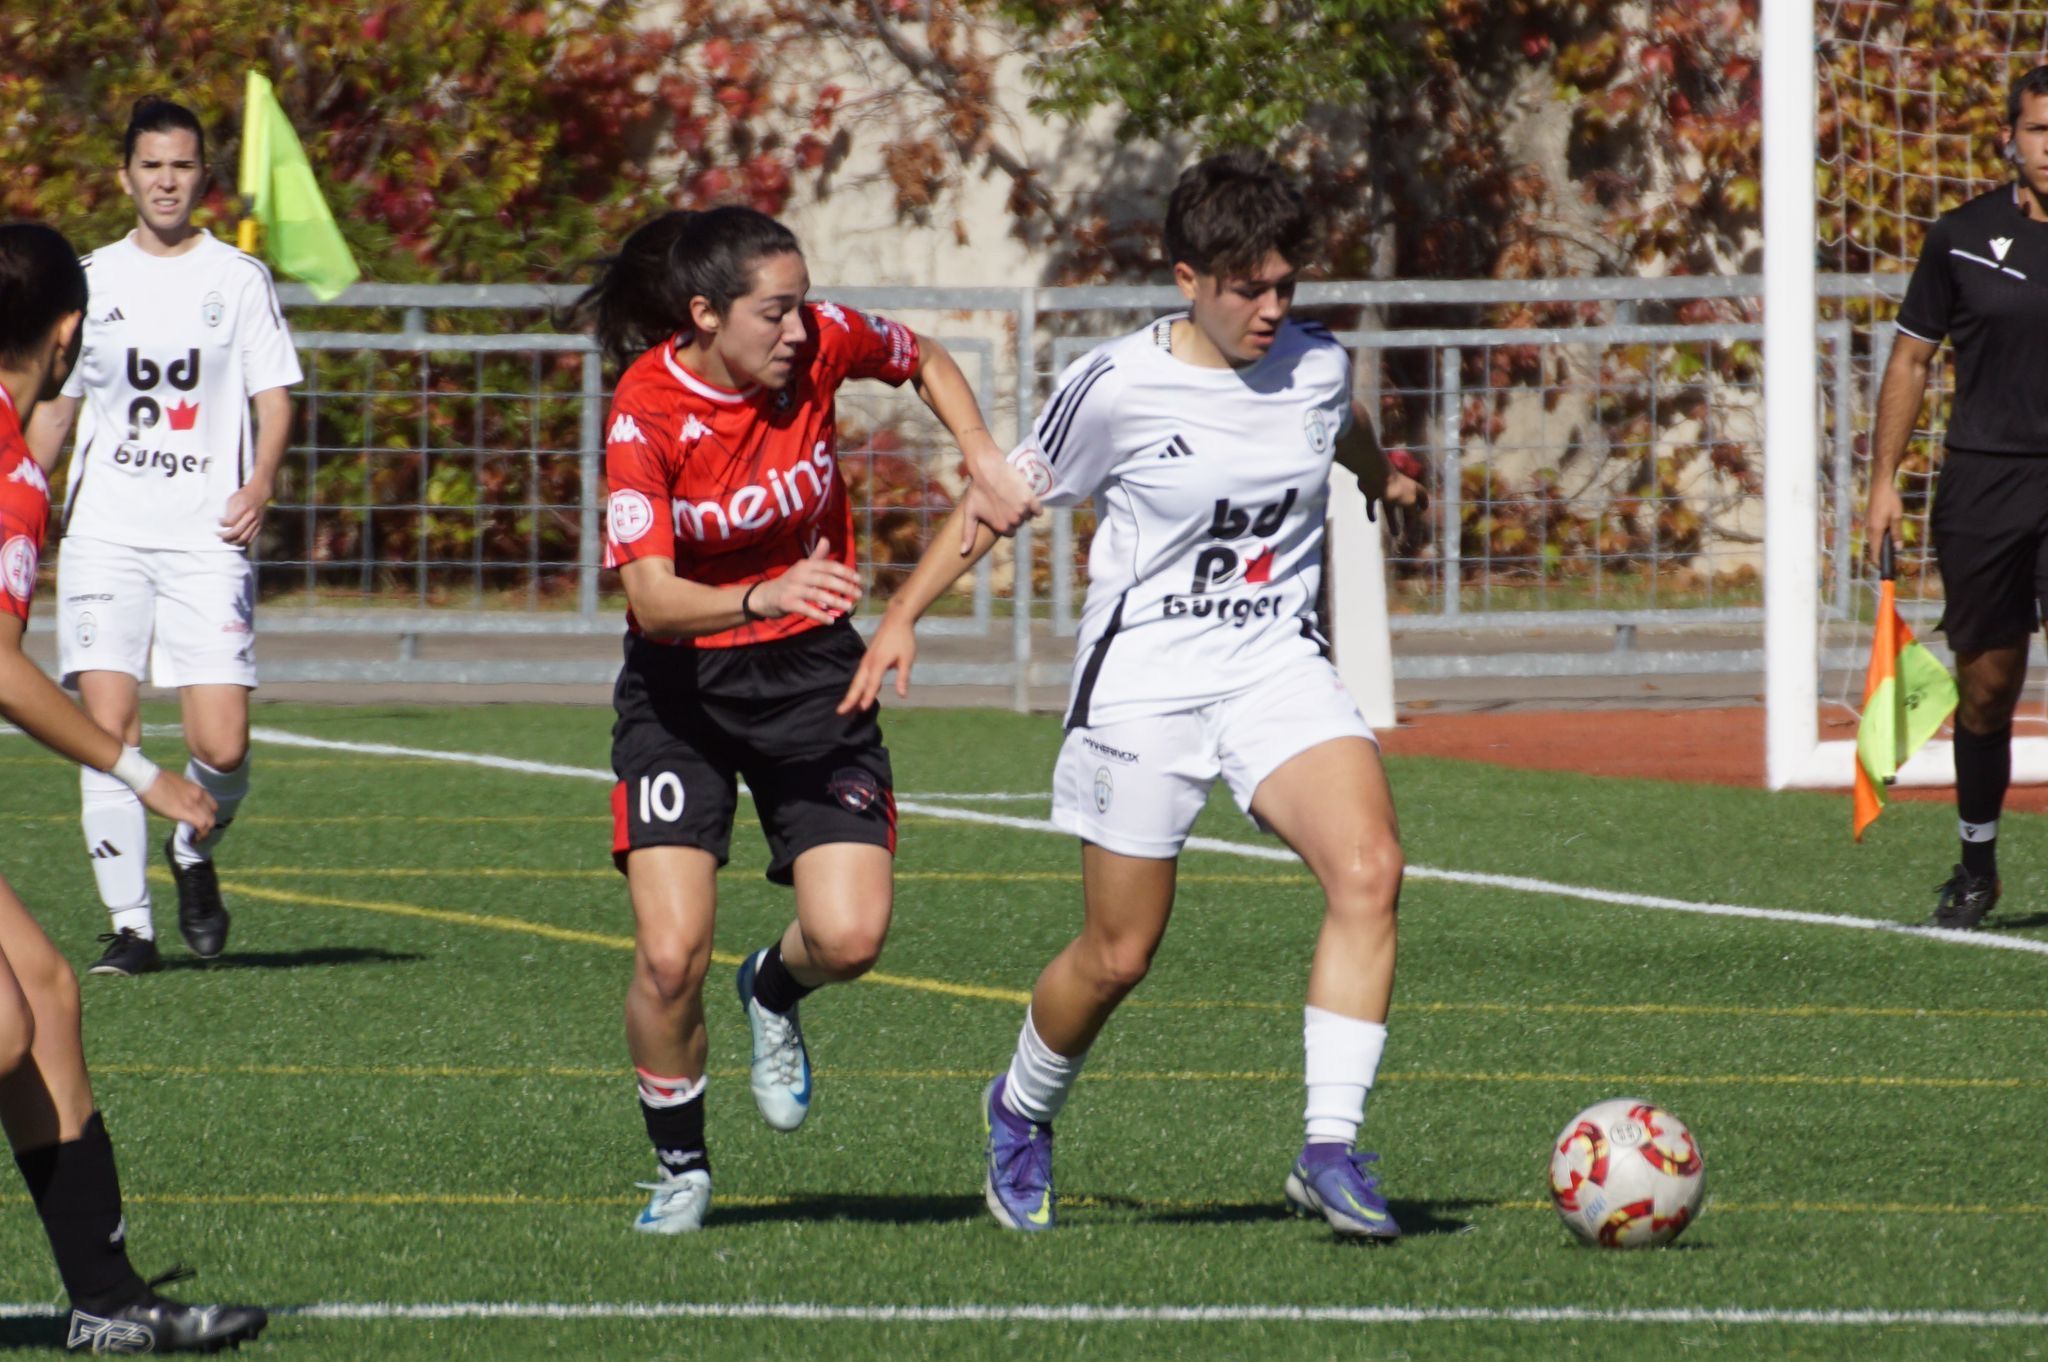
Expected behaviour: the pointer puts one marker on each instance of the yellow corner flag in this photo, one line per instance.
(1906, 697)
(300, 237)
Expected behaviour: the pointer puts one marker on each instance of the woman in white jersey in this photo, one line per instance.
(1206, 440)
(182, 336)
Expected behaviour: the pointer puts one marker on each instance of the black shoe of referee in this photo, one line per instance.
(202, 917)
(155, 1325)
(1964, 901)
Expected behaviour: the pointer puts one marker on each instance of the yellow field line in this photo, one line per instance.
(518, 873)
(520, 1200)
(619, 943)
(1020, 996)
(830, 1073)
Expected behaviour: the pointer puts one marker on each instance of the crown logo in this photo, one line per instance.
(184, 415)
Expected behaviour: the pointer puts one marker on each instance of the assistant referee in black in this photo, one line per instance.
(1982, 283)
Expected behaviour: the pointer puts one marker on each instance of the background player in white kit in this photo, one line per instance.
(1206, 441)
(183, 335)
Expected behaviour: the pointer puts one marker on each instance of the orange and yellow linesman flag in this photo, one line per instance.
(299, 235)
(1906, 697)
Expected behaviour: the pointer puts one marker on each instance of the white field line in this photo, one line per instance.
(1519, 884)
(1134, 1314)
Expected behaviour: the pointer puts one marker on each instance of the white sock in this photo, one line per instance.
(1040, 1078)
(229, 789)
(117, 838)
(1342, 1059)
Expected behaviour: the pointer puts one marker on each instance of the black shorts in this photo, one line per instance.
(693, 721)
(1990, 527)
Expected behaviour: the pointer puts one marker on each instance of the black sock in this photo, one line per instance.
(775, 988)
(1983, 770)
(78, 1196)
(678, 1135)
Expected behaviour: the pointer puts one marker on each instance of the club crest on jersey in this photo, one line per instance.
(18, 560)
(1105, 789)
(1321, 428)
(88, 630)
(1037, 472)
(213, 309)
(631, 515)
(856, 790)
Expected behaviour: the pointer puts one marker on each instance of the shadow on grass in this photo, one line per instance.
(35, 1333)
(886, 1210)
(306, 959)
(1416, 1218)
(2005, 923)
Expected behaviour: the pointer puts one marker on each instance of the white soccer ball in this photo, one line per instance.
(1626, 1173)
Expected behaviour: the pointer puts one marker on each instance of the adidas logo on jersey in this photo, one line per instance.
(112, 317)
(625, 430)
(1176, 448)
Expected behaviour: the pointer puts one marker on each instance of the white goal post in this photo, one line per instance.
(1796, 758)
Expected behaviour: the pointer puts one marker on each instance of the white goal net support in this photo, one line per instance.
(1877, 118)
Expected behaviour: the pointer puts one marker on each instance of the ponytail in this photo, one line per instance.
(642, 295)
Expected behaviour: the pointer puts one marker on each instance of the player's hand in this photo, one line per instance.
(175, 797)
(1887, 511)
(894, 646)
(244, 515)
(818, 588)
(997, 495)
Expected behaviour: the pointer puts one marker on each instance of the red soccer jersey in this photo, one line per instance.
(24, 514)
(738, 486)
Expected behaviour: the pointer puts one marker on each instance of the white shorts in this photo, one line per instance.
(1135, 787)
(171, 617)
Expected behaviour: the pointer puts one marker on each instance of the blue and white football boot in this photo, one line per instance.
(678, 1205)
(782, 1068)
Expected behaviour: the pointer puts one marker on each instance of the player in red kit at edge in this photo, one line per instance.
(53, 1123)
(733, 535)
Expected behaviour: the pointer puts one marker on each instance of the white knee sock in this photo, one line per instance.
(117, 838)
(1343, 1058)
(229, 789)
(1040, 1078)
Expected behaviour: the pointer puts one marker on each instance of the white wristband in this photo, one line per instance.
(134, 770)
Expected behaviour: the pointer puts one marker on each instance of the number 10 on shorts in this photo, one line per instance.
(661, 798)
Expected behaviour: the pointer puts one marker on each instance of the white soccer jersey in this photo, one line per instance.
(1209, 489)
(174, 348)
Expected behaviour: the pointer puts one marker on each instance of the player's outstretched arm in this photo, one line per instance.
(1358, 450)
(48, 424)
(818, 588)
(1898, 411)
(31, 702)
(996, 493)
(894, 646)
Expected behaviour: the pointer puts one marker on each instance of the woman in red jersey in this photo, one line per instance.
(733, 534)
(46, 1102)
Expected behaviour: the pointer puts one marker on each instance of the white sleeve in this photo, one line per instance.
(1073, 448)
(268, 357)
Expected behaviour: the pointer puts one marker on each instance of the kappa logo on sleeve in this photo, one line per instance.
(625, 431)
(631, 515)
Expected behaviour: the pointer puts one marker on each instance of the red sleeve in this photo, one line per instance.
(861, 345)
(24, 516)
(638, 478)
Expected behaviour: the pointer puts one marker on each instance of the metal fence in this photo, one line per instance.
(1592, 447)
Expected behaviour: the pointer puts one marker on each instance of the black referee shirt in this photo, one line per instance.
(1982, 282)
